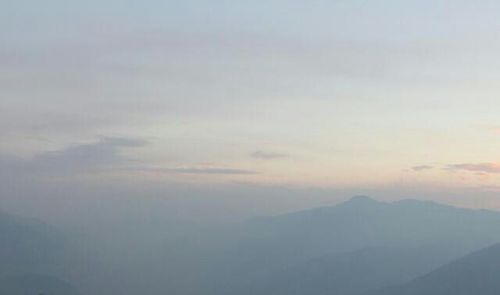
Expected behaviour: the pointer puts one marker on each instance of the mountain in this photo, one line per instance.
(363, 222)
(352, 272)
(28, 244)
(477, 273)
(29, 250)
(257, 250)
(34, 284)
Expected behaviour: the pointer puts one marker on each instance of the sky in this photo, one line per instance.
(396, 98)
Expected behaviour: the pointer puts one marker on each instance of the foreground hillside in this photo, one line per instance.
(28, 284)
(352, 272)
(477, 273)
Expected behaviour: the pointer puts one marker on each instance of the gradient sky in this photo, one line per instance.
(315, 94)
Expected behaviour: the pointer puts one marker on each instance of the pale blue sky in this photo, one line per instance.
(328, 93)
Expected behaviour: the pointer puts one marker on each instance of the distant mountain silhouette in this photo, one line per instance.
(363, 223)
(361, 246)
(261, 248)
(28, 244)
(28, 249)
(477, 273)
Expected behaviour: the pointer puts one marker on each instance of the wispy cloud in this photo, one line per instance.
(76, 159)
(201, 170)
(102, 155)
(490, 168)
(421, 168)
(263, 155)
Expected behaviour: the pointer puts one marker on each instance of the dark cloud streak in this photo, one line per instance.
(263, 155)
(489, 168)
(72, 160)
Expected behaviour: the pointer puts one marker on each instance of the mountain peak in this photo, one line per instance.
(362, 199)
(362, 202)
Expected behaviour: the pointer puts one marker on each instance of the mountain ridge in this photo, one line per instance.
(263, 247)
(475, 273)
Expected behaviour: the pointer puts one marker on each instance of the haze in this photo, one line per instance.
(123, 119)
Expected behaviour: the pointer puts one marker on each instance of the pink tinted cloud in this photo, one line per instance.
(482, 168)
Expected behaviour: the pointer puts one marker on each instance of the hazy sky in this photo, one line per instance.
(311, 94)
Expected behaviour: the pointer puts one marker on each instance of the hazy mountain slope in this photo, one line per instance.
(353, 272)
(477, 273)
(260, 248)
(34, 284)
(363, 222)
(28, 244)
